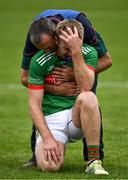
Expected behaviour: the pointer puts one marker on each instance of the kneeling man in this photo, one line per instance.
(60, 119)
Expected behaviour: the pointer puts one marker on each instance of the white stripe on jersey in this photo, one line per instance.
(86, 50)
(45, 61)
(43, 56)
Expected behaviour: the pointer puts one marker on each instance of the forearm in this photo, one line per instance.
(39, 121)
(84, 76)
(104, 63)
(64, 89)
(52, 89)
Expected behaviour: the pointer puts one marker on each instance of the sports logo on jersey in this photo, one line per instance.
(44, 58)
(86, 50)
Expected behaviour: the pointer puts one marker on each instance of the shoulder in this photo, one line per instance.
(41, 58)
(90, 55)
(86, 49)
(42, 63)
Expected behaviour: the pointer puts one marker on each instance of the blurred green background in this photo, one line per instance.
(110, 18)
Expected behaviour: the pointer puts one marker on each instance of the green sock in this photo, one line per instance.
(93, 152)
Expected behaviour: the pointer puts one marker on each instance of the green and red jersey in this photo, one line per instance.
(42, 65)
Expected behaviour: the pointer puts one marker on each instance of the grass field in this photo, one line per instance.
(110, 17)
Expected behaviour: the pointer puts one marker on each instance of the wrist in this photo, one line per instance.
(46, 135)
(76, 51)
(77, 56)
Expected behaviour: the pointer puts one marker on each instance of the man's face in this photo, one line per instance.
(47, 43)
(62, 49)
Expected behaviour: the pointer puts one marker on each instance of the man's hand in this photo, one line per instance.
(81, 70)
(64, 89)
(69, 89)
(63, 74)
(24, 77)
(72, 40)
(52, 151)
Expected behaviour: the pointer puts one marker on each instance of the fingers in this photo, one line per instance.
(60, 78)
(58, 153)
(58, 73)
(70, 31)
(60, 69)
(64, 34)
(63, 38)
(45, 155)
(77, 93)
(55, 157)
(49, 155)
(52, 155)
(64, 73)
(69, 85)
(63, 68)
(75, 31)
(66, 67)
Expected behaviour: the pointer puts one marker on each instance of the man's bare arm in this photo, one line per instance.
(35, 101)
(50, 145)
(64, 89)
(64, 73)
(84, 76)
(104, 63)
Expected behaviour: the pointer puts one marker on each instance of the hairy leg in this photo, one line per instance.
(86, 116)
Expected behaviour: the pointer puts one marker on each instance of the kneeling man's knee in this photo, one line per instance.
(88, 99)
(46, 167)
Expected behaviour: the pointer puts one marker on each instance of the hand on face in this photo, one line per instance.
(72, 40)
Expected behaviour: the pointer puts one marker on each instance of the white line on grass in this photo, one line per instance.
(11, 86)
(100, 85)
(113, 84)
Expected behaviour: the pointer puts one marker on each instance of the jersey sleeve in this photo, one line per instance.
(90, 57)
(29, 51)
(36, 76)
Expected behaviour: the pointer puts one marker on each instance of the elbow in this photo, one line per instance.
(87, 88)
(31, 108)
(109, 62)
(34, 107)
(89, 83)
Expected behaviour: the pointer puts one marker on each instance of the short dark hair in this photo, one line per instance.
(39, 27)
